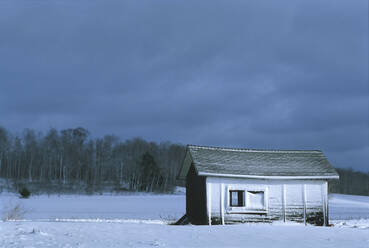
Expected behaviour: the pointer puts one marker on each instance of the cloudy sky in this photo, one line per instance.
(256, 74)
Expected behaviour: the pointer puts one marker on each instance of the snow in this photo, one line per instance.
(141, 221)
(141, 206)
(348, 207)
(47, 234)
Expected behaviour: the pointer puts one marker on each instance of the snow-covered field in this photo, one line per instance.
(348, 207)
(140, 221)
(141, 206)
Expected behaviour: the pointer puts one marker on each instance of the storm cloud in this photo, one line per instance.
(256, 74)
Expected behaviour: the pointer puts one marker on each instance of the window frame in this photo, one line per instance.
(239, 193)
(245, 209)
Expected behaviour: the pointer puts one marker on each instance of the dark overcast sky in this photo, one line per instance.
(257, 74)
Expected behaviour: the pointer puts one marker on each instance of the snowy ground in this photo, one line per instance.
(142, 206)
(140, 221)
(348, 207)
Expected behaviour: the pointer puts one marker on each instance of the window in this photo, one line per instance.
(236, 198)
(255, 200)
(244, 199)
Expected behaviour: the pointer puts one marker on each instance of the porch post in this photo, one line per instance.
(284, 202)
(208, 193)
(222, 202)
(304, 199)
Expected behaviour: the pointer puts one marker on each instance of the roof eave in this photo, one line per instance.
(179, 176)
(267, 177)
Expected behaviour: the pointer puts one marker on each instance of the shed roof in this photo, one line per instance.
(251, 163)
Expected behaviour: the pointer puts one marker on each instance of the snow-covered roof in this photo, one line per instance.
(251, 163)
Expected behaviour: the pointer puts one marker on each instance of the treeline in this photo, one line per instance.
(351, 182)
(71, 159)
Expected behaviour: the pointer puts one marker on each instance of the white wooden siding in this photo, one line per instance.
(315, 198)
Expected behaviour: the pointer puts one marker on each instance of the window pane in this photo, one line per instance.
(234, 198)
(240, 198)
(255, 199)
(237, 198)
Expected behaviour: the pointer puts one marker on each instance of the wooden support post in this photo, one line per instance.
(222, 203)
(208, 193)
(284, 203)
(324, 204)
(304, 199)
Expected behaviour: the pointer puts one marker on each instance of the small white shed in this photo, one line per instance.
(227, 185)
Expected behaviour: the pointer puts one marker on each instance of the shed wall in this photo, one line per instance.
(289, 206)
(196, 197)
